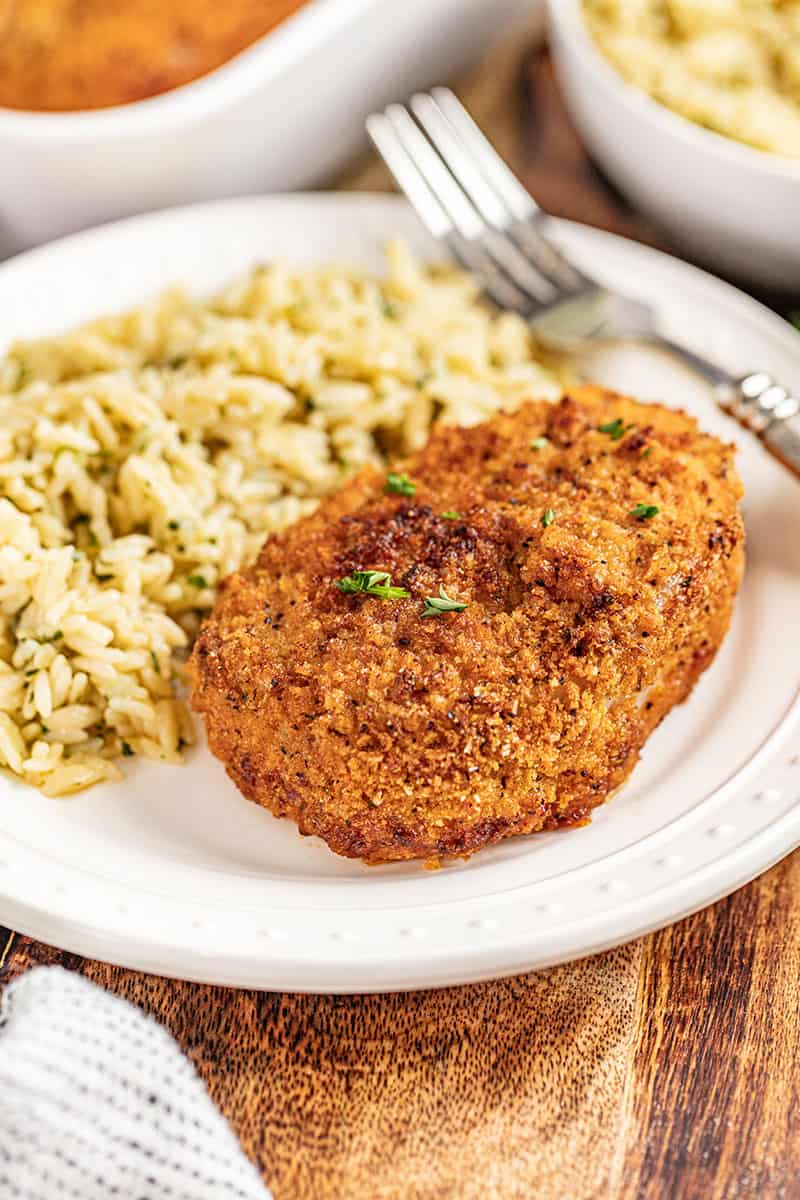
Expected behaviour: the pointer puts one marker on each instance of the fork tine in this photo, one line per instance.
(525, 272)
(517, 200)
(526, 216)
(477, 244)
(458, 159)
(384, 134)
(407, 176)
(468, 221)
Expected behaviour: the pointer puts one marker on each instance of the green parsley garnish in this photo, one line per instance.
(53, 637)
(371, 583)
(539, 443)
(173, 524)
(646, 453)
(23, 374)
(155, 662)
(794, 317)
(400, 484)
(434, 605)
(643, 512)
(389, 310)
(548, 517)
(615, 429)
(198, 581)
(127, 750)
(450, 514)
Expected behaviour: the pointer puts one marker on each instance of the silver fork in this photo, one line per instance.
(469, 199)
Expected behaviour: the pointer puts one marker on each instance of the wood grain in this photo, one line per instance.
(665, 1070)
(509, 1089)
(717, 1059)
(6, 943)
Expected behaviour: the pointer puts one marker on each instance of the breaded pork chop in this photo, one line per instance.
(597, 546)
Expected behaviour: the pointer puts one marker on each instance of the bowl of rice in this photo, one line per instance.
(147, 454)
(693, 108)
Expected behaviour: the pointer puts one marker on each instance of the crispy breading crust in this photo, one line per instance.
(397, 737)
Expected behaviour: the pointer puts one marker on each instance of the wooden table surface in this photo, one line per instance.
(668, 1069)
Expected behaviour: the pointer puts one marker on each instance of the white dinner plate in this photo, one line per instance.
(173, 872)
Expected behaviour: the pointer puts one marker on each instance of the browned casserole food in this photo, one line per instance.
(61, 55)
(565, 575)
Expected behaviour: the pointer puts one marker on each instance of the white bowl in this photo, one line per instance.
(728, 205)
(283, 114)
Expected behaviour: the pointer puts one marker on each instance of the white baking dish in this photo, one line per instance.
(283, 114)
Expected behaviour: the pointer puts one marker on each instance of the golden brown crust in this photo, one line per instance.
(395, 737)
(60, 55)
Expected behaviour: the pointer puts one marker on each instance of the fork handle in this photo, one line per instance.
(756, 400)
(762, 405)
